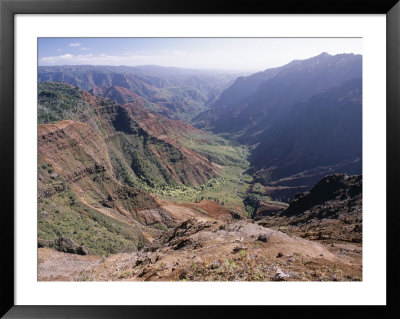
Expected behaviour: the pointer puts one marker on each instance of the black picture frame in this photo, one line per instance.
(8, 8)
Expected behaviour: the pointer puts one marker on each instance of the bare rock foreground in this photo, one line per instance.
(208, 249)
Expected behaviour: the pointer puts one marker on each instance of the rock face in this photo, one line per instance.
(67, 245)
(341, 191)
(59, 142)
(331, 210)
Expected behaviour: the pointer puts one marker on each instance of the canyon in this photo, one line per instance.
(155, 173)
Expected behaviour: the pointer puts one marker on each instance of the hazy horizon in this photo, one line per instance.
(225, 54)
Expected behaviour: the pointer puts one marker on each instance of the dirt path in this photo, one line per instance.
(57, 266)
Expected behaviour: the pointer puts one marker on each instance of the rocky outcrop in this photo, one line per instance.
(331, 196)
(65, 245)
(330, 211)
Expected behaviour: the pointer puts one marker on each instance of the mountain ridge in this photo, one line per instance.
(277, 86)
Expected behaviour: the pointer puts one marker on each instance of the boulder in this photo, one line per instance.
(67, 245)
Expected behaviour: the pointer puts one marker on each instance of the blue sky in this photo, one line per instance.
(200, 53)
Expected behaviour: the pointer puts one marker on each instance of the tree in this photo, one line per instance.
(252, 203)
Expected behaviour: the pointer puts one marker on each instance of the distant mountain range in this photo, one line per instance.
(175, 92)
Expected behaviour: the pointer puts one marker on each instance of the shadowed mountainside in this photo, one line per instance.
(324, 132)
(303, 121)
(252, 102)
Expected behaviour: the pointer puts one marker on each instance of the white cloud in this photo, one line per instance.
(173, 58)
(74, 44)
(58, 57)
(84, 48)
(99, 59)
(178, 52)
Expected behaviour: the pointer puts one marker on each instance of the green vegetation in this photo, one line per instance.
(218, 149)
(57, 101)
(101, 234)
(61, 214)
(223, 189)
(252, 203)
(257, 188)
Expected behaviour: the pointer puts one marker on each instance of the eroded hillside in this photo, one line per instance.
(135, 153)
(100, 164)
